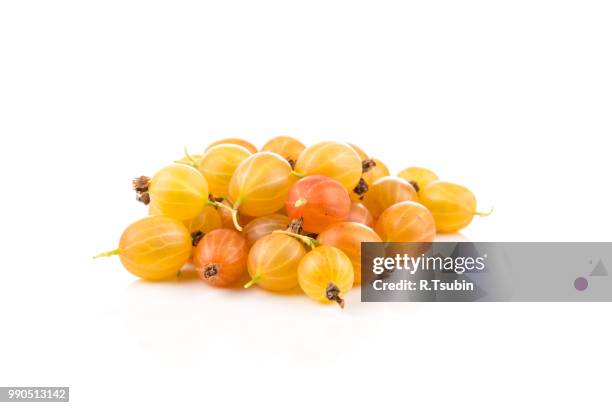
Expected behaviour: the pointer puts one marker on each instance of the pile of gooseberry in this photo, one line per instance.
(285, 216)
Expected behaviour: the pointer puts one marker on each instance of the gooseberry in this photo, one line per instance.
(387, 191)
(262, 226)
(320, 201)
(285, 146)
(347, 237)
(177, 191)
(419, 177)
(325, 274)
(218, 165)
(153, 248)
(407, 221)
(220, 257)
(452, 205)
(273, 262)
(335, 160)
(260, 184)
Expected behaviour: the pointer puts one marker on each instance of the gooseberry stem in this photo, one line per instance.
(310, 242)
(298, 174)
(193, 163)
(107, 253)
(484, 213)
(253, 281)
(233, 211)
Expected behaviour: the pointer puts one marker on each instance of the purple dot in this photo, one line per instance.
(581, 284)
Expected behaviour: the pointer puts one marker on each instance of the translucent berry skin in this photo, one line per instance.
(320, 200)
(347, 237)
(335, 160)
(285, 146)
(218, 165)
(362, 155)
(262, 226)
(240, 142)
(179, 191)
(155, 247)
(420, 177)
(260, 184)
(273, 262)
(385, 192)
(360, 213)
(452, 205)
(321, 267)
(407, 221)
(208, 220)
(225, 252)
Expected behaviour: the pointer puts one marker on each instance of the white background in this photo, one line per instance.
(510, 98)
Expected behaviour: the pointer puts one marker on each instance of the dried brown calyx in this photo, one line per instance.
(362, 188)
(215, 199)
(296, 226)
(291, 163)
(367, 165)
(196, 237)
(415, 185)
(141, 186)
(332, 292)
(210, 271)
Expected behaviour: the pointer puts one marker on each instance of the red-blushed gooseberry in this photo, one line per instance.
(419, 177)
(335, 160)
(407, 221)
(260, 184)
(262, 226)
(218, 165)
(154, 248)
(360, 213)
(385, 192)
(320, 201)
(273, 262)
(177, 191)
(347, 237)
(220, 257)
(452, 205)
(240, 142)
(285, 146)
(326, 274)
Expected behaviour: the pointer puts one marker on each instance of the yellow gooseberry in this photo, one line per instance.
(335, 160)
(419, 177)
(385, 192)
(178, 191)
(273, 262)
(285, 146)
(260, 184)
(407, 221)
(452, 205)
(153, 248)
(218, 165)
(326, 274)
